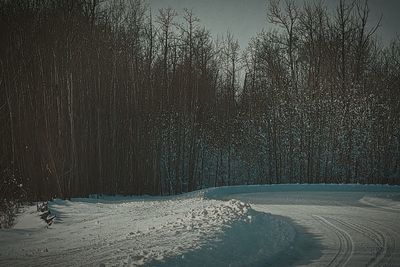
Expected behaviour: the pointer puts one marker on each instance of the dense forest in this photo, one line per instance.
(111, 97)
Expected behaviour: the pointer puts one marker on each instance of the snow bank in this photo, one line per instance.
(253, 241)
(152, 231)
(384, 203)
(222, 192)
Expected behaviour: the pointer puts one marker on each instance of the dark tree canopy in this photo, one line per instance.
(110, 97)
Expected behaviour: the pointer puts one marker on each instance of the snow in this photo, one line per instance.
(221, 192)
(28, 219)
(142, 231)
(353, 225)
(213, 227)
(383, 203)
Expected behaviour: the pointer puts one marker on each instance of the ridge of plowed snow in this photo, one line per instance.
(139, 231)
(221, 192)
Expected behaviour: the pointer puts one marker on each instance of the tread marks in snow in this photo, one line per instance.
(346, 244)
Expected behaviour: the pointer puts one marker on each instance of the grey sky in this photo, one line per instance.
(244, 18)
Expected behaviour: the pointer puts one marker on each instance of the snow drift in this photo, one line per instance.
(155, 231)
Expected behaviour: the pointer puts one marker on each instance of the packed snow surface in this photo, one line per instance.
(336, 225)
(144, 231)
(283, 225)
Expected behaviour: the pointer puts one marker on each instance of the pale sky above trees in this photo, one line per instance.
(244, 18)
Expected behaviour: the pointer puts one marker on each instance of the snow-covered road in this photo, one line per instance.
(284, 225)
(344, 228)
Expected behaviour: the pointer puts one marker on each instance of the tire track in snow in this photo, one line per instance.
(391, 236)
(346, 244)
(384, 252)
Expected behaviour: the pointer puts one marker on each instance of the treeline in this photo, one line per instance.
(111, 97)
(322, 97)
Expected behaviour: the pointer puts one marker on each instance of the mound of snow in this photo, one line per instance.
(251, 241)
(143, 231)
